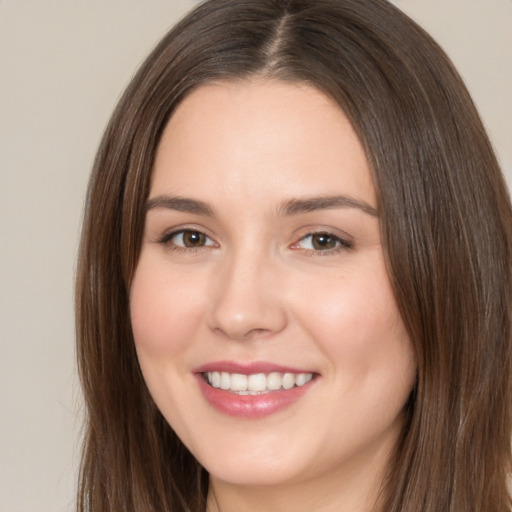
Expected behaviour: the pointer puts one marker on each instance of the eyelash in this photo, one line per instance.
(167, 240)
(341, 244)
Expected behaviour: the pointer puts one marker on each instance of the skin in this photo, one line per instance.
(257, 288)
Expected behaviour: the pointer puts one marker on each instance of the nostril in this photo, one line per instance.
(249, 335)
(256, 333)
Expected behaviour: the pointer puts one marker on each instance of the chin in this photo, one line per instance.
(254, 467)
(252, 475)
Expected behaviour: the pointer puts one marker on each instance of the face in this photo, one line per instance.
(263, 316)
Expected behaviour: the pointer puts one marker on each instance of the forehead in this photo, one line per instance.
(270, 137)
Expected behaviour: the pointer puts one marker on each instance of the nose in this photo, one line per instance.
(248, 302)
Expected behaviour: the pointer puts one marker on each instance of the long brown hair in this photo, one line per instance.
(446, 230)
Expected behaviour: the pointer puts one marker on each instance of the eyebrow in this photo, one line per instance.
(287, 208)
(180, 204)
(298, 206)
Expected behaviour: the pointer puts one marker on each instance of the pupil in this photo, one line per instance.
(193, 238)
(323, 241)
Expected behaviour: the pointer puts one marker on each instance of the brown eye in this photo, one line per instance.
(193, 239)
(190, 239)
(324, 241)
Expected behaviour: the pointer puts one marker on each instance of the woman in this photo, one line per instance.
(294, 283)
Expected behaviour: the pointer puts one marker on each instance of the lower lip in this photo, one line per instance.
(250, 406)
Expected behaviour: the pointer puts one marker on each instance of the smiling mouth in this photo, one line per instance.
(256, 383)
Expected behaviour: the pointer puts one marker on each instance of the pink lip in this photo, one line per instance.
(249, 406)
(247, 368)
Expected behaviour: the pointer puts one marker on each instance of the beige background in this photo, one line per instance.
(63, 65)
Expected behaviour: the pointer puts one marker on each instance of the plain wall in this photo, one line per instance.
(63, 66)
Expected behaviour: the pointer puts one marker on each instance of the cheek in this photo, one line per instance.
(372, 364)
(356, 323)
(164, 315)
(164, 309)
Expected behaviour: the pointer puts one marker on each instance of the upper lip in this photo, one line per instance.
(247, 368)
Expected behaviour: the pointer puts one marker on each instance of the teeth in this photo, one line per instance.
(274, 381)
(216, 380)
(238, 382)
(225, 380)
(257, 383)
(288, 380)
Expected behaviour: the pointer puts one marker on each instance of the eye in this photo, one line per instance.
(188, 239)
(322, 241)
